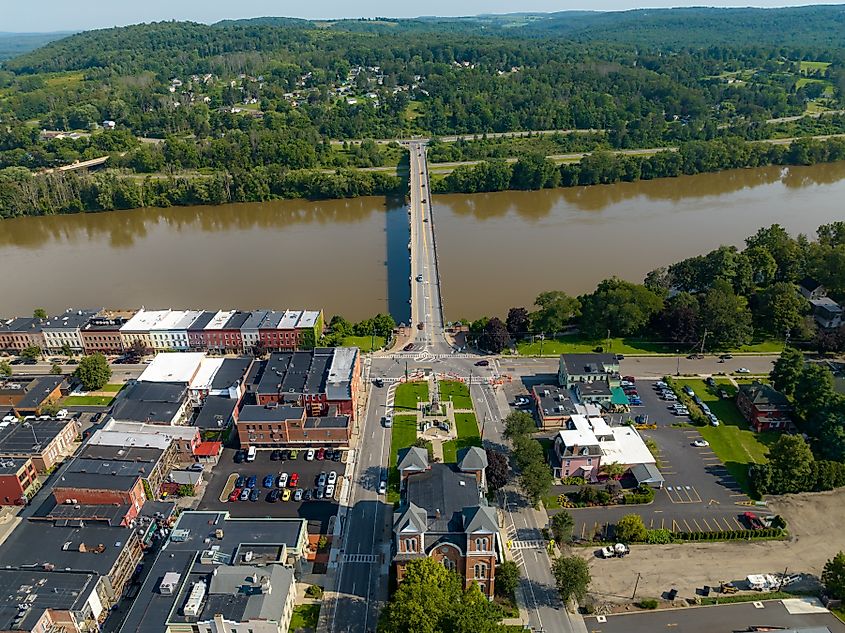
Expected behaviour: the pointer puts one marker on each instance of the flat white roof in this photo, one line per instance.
(130, 439)
(219, 320)
(144, 320)
(206, 372)
(308, 318)
(177, 320)
(173, 367)
(290, 319)
(626, 448)
(141, 428)
(578, 437)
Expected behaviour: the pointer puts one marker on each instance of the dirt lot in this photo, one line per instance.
(815, 524)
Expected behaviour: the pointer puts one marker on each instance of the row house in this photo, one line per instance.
(102, 334)
(171, 332)
(138, 329)
(250, 335)
(215, 336)
(66, 330)
(20, 333)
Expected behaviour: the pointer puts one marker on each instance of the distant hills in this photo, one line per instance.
(14, 44)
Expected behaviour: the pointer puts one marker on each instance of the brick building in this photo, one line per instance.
(102, 334)
(763, 407)
(26, 395)
(17, 480)
(46, 442)
(274, 426)
(444, 515)
(20, 333)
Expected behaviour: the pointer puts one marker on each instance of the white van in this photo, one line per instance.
(250, 454)
(388, 421)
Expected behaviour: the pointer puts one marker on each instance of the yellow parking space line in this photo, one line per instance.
(662, 523)
(689, 529)
(709, 527)
(727, 524)
(674, 525)
(698, 527)
(738, 524)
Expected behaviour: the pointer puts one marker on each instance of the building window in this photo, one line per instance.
(481, 544)
(410, 545)
(480, 570)
(449, 564)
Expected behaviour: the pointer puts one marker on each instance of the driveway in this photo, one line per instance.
(318, 513)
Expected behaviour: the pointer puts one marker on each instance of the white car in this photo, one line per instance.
(309, 456)
(332, 478)
(743, 370)
(382, 487)
(283, 480)
(330, 491)
(701, 443)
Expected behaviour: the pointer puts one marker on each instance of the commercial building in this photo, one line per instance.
(587, 444)
(109, 552)
(171, 331)
(586, 368)
(173, 367)
(318, 380)
(66, 330)
(274, 426)
(18, 334)
(250, 337)
(151, 463)
(216, 414)
(152, 402)
(46, 442)
(555, 406)
(102, 333)
(223, 377)
(18, 480)
(444, 515)
(216, 337)
(184, 439)
(765, 408)
(91, 482)
(137, 330)
(220, 574)
(26, 395)
(290, 330)
(43, 602)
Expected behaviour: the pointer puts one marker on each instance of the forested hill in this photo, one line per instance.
(14, 44)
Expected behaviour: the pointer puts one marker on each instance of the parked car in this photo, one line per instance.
(726, 356)
(283, 480)
(382, 487)
(753, 521)
(701, 443)
(252, 481)
(308, 495)
(321, 454)
(274, 495)
(245, 494)
(294, 454)
(294, 480)
(630, 379)
(286, 495)
(309, 456)
(239, 455)
(197, 468)
(332, 477)
(255, 494)
(688, 390)
(408, 347)
(319, 492)
(482, 363)
(660, 385)
(235, 494)
(285, 455)
(321, 479)
(330, 491)
(240, 482)
(297, 496)
(743, 370)
(336, 455)
(275, 456)
(268, 481)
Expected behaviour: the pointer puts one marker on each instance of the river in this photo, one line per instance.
(350, 256)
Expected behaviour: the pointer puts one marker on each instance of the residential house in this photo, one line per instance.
(764, 407)
(18, 481)
(827, 313)
(250, 337)
(586, 368)
(444, 515)
(65, 330)
(46, 442)
(811, 289)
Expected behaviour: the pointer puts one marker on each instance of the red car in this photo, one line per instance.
(321, 454)
(236, 494)
(753, 521)
(293, 481)
(629, 378)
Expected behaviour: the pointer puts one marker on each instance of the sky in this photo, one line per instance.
(30, 16)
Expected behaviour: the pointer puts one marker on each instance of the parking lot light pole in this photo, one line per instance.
(636, 584)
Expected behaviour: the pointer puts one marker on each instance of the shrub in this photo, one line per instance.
(314, 591)
(659, 537)
(647, 603)
(573, 481)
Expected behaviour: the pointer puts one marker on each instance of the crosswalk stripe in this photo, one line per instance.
(360, 558)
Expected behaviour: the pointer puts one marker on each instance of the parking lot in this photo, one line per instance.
(319, 513)
(699, 495)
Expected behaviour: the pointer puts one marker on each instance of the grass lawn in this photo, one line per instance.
(733, 441)
(112, 388)
(364, 342)
(88, 401)
(468, 435)
(457, 391)
(576, 344)
(408, 394)
(402, 435)
(305, 616)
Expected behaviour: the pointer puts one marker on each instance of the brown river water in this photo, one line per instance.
(350, 256)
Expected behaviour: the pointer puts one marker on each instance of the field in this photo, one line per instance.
(576, 344)
(409, 394)
(813, 66)
(88, 401)
(402, 435)
(457, 392)
(734, 443)
(112, 388)
(468, 435)
(365, 343)
(304, 616)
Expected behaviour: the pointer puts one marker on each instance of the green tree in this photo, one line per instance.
(495, 337)
(630, 529)
(781, 309)
(56, 369)
(384, 325)
(534, 171)
(725, 316)
(93, 372)
(791, 461)
(66, 350)
(536, 480)
(572, 577)
(618, 307)
(518, 423)
(680, 320)
(33, 352)
(833, 576)
(518, 323)
(497, 471)
(556, 311)
(561, 526)
(787, 370)
(5, 368)
(813, 390)
(507, 578)
(40, 313)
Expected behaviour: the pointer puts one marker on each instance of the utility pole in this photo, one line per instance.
(607, 349)
(678, 370)
(636, 584)
(703, 339)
